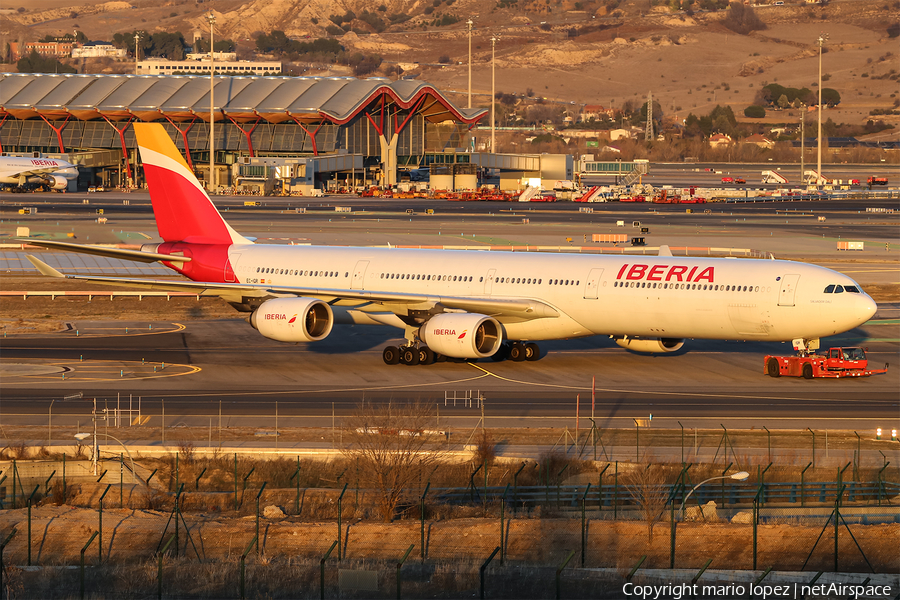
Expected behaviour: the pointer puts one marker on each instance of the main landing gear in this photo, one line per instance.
(410, 355)
(422, 355)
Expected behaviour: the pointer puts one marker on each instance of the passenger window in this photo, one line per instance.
(838, 289)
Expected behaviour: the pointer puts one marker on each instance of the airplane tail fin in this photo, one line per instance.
(183, 210)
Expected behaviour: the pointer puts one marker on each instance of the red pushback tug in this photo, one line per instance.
(838, 362)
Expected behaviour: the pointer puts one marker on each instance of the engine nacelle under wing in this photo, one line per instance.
(462, 335)
(650, 345)
(293, 319)
(58, 183)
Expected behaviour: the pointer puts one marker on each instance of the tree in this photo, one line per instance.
(741, 19)
(35, 63)
(830, 97)
(755, 111)
(648, 489)
(395, 448)
(783, 101)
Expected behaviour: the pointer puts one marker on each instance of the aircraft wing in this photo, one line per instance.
(135, 255)
(29, 172)
(516, 308)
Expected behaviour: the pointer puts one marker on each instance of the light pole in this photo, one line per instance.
(212, 116)
(83, 436)
(740, 476)
(493, 43)
(821, 42)
(469, 26)
(802, 141)
(137, 51)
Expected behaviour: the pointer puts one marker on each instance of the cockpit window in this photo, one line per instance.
(829, 289)
(851, 288)
(838, 289)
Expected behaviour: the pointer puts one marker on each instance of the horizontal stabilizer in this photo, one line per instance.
(43, 267)
(664, 250)
(135, 255)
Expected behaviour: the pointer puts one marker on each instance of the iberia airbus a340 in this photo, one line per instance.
(470, 304)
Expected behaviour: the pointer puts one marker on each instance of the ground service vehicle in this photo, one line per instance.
(838, 362)
(728, 180)
(877, 181)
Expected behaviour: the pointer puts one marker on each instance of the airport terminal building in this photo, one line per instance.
(359, 131)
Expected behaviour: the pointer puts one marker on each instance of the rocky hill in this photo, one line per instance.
(589, 52)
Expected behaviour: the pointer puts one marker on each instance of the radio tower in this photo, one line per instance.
(648, 132)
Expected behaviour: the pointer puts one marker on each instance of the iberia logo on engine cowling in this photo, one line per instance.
(463, 334)
(294, 318)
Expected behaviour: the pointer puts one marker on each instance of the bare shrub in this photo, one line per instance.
(186, 451)
(153, 499)
(393, 450)
(62, 491)
(79, 451)
(19, 450)
(648, 489)
(485, 449)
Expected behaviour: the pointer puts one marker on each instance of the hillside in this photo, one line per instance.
(573, 52)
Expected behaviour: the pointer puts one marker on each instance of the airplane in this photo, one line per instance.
(51, 172)
(473, 304)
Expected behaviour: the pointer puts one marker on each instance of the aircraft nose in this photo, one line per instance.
(864, 309)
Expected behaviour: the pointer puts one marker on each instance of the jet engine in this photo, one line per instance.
(57, 182)
(293, 319)
(462, 335)
(650, 345)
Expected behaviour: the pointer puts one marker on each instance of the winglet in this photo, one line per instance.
(43, 267)
(664, 250)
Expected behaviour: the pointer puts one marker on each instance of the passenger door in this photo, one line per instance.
(359, 275)
(592, 284)
(489, 281)
(788, 290)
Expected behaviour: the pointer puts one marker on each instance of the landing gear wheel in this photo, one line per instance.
(426, 356)
(532, 351)
(517, 352)
(772, 368)
(391, 355)
(409, 356)
(807, 371)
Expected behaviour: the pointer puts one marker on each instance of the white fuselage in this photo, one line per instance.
(21, 170)
(629, 295)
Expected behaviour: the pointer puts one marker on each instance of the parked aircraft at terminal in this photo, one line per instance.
(472, 304)
(52, 172)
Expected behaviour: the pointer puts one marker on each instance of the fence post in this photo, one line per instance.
(29, 522)
(858, 458)
(837, 523)
(340, 532)
(121, 480)
(722, 498)
(159, 572)
(813, 446)
(560, 569)
(199, 477)
(244, 561)
(600, 487)
(322, 569)
(762, 483)
(258, 495)
(83, 550)
(65, 497)
(616, 493)
(422, 516)
(803, 484)
(516, 485)
(768, 442)
(502, 505)
(759, 491)
(881, 481)
(100, 528)
(481, 572)
(558, 480)
(2, 549)
(400, 564)
(584, 524)
(235, 482)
